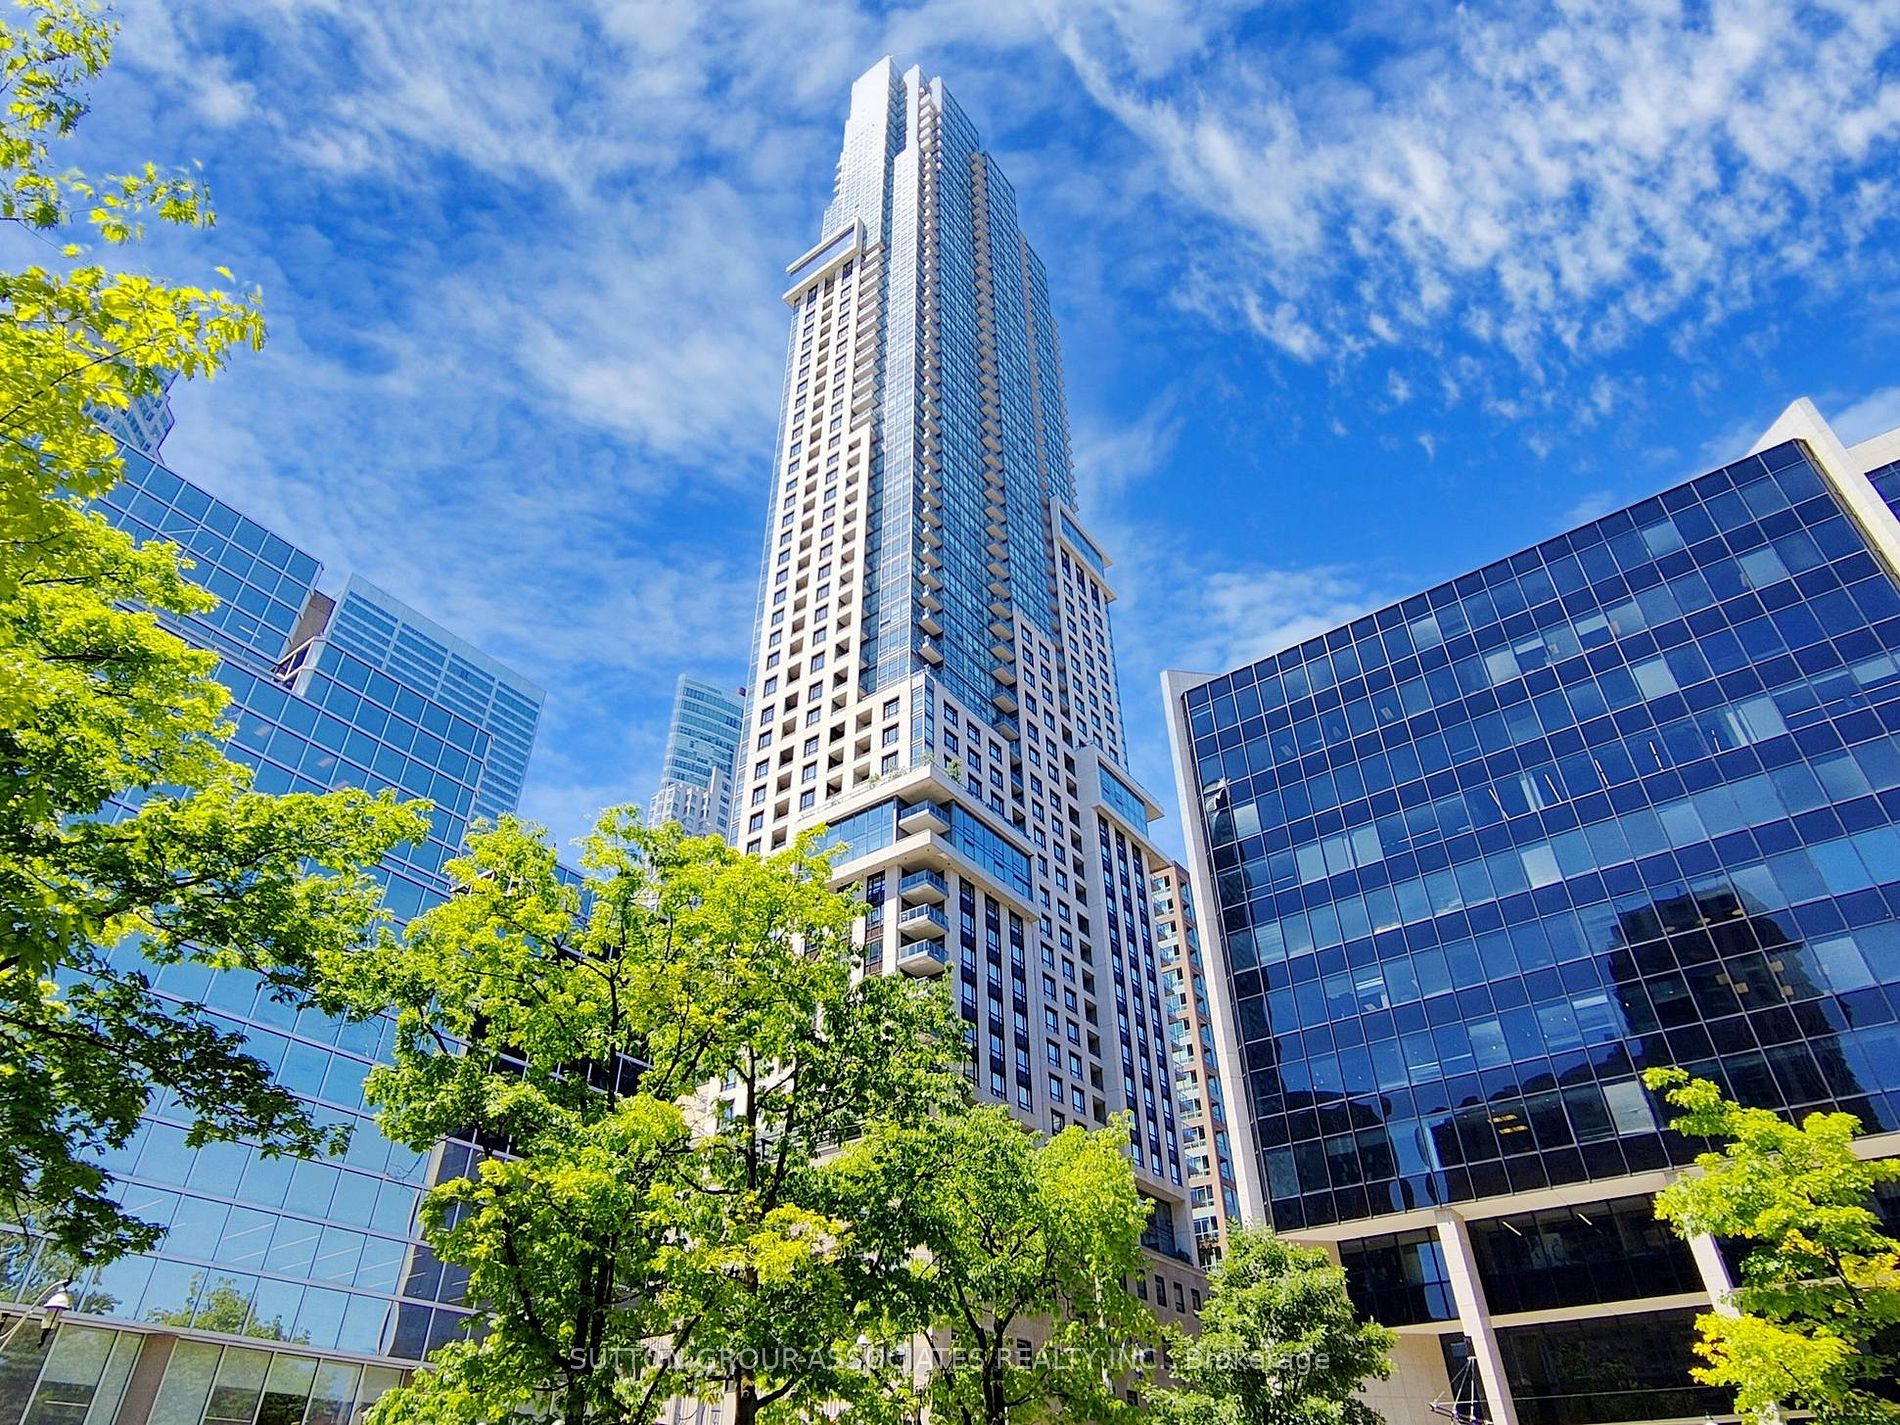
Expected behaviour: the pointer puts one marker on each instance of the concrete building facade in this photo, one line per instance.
(1201, 1093)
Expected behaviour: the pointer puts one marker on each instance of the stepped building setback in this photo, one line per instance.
(933, 675)
(1472, 863)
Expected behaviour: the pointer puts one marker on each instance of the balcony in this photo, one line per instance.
(923, 959)
(923, 886)
(919, 922)
(924, 816)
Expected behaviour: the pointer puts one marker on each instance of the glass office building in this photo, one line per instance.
(702, 742)
(1474, 862)
(284, 1290)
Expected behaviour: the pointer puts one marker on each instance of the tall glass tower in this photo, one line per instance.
(701, 743)
(933, 675)
(284, 1290)
(1626, 799)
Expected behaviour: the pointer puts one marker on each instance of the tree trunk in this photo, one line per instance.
(995, 1409)
(746, 1400)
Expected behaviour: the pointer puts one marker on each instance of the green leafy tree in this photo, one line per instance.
(1814, 1324)
(667, 1056)
(128, 839)
(1279, 1343)
(1020, 1254)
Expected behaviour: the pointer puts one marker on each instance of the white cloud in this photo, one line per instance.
(1178, 609)
(522, 267)
(1592, 505)
(1236, 616)
(1109, 458)
(1550, 178)
(1872, 415)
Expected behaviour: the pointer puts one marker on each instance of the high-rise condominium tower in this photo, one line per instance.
(933, 674)
(701, 742)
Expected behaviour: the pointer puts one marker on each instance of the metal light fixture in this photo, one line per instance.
(51, 1309)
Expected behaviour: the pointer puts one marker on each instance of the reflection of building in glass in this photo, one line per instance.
(1625, 799)
(144, 424)
(297, 1289)
(934, 674)
(702, 741)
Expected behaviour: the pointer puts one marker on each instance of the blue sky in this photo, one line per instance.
(1354, 297)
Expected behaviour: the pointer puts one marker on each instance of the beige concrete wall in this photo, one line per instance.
(1418, 1378)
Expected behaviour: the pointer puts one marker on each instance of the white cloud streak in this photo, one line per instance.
(1871, 415)
(1550, 178)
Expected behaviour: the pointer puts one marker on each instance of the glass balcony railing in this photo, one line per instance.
(923, 886)
(922, 920)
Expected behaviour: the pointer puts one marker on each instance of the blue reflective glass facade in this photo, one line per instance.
(1886, 481)
(973, 427)
(702, 743)
(312, 1255)
(1629, 798)
(382, 632)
